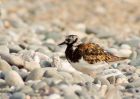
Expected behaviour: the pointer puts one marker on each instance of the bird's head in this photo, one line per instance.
(71, 40)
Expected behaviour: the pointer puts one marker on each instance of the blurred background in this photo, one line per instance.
(91, 16)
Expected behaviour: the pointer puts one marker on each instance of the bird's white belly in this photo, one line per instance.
(85, 65)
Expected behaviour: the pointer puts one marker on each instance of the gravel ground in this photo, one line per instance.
(33, 66)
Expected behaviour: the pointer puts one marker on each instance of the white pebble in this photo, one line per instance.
(125, 46)
(125, 52)
(12, 78)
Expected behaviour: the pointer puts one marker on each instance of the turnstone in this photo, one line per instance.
(83, 56)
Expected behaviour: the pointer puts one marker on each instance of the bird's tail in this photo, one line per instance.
(112, 58)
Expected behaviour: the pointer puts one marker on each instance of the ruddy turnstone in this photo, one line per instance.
(83, 56)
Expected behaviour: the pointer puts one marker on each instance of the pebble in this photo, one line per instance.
(23, 73)
(31, 65)
(18, 95)
(103, 32)
(111, 72)
(15, 68)
(40, 85)
(134, 84)
(36, 74)
(2, 83)
(134, 42)
(67, 76)
(121, 80)
(12, 78)
(4, 96)
(80, 27)
(68, 94)
(103, 90)
(65, 66)
(56, 62)
(54, 35)
(27, 89)
(13, 48)
(113, 93)
(4, 49)
(124, 53)
(4, 66)
(77, 78)
(136, 62)
(54, 96)
(52, 72)
(44, 63)
(125, 46)
(2, 75)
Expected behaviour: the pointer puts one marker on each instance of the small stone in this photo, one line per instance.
(103, 32)
(137, 71)
(113, 93)
(15, 68)
(56, 62)
(18, 95)
(4, 40)
(23, 73)
(14, 48)
(2, 83)
(27, 89)
(134, 42)
(44, 63)
(101, 80)
(113, 50)
(52, 47)
(36, 74)
(80, 27)
(54, 96)
(12, 78)
(111, 72)
(4, 66)
(77, 78)
(87, 78)
(70, 95)
(4, 95)
(54, 35)
(121, 80)
(134, 90)
(125, 46)
(4, 49)
(65, 66)
(67, 77)
(135, 62)
(103, 90)
(31, 65)
(51, 41)
(2, 75)
(124, 52)
(134, 84)
(52, 72)
(133, 77)
(40, 85)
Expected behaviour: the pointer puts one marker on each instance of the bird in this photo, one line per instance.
(84, 56)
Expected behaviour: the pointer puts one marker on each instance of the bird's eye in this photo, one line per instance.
(68, 40)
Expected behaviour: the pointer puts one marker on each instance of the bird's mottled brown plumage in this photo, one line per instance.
(90, 52)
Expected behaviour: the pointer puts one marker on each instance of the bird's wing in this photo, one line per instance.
(93, 53)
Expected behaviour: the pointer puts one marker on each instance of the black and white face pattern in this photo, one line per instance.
(71, 40)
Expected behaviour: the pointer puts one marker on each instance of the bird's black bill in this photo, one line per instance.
(62, 43)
